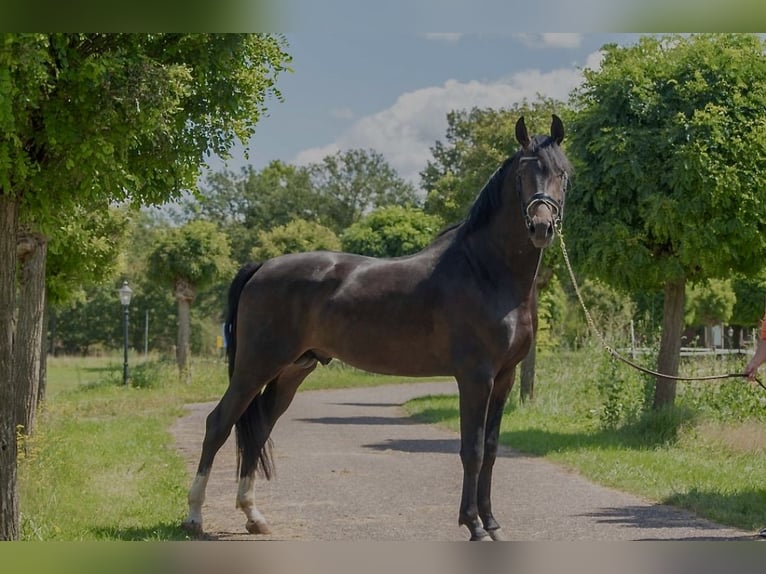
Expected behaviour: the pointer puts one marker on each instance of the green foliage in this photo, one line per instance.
(750, 293)
(93, 117)
(623, 394)
(197, 254)
(611, 309)
(334, 192)
(669, 140)
(354, 182)
(552, 305)
(710, 303)
(476, 144)
(83, 251)
(391, 232)
(295, 237)
(252, 202)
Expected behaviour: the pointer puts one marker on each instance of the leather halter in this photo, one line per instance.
(527, 207)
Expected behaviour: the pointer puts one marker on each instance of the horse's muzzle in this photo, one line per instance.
(541, 230)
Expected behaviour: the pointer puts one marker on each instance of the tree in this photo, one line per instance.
(252, 201)
(93, 118)
(669, 142)
(391, 232)
(352, 183)
(710, 303)
(297, 236)
(750, 293)
(189, 258)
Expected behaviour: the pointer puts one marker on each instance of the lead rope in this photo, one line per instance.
(615, 354)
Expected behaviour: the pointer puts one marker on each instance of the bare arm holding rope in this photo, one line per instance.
(751, 370)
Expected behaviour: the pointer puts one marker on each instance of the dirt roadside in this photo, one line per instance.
(350, 465)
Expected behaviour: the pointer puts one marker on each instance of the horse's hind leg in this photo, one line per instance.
(497, 400)
(217, 429)
(267, 407)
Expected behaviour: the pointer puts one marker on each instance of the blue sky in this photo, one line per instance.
(391, 91)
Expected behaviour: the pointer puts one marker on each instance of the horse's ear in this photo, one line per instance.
(521, 132)
(557, 129)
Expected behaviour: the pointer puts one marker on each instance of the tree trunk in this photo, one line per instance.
(184, 293)
(528, 364)
(44, 349)
(670, 344)
(527, 381)
(31, 253)
(9, 499)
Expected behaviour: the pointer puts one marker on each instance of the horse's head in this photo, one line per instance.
(541, 181)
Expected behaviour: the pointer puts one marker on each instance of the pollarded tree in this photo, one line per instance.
(189, 259)
(88, 119)
(391, 232)
(669, 141)
(708, 304)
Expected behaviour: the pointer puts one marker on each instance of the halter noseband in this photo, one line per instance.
(527, 207)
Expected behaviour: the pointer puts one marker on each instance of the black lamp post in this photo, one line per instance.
(125, 294)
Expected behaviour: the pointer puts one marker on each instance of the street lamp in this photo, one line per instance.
(125, 293)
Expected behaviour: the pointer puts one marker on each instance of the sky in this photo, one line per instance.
(391, 92)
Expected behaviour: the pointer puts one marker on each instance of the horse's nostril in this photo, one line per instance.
(549, 233)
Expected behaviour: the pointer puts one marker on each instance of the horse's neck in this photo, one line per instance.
(507, 251)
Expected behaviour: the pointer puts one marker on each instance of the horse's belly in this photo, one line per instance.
(392, 344)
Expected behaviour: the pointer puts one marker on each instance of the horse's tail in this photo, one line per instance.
(253, 444)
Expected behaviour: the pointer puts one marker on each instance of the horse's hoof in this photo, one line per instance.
(480, 535)
(257, 527)
(193, 527)
(481, 538)
(498, 535)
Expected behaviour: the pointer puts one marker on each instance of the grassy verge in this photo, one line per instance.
(103, 466)
(708, 454)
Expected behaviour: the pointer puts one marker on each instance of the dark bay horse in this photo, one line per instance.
(463, 307)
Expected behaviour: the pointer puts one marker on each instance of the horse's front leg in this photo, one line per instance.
(474, 396)
(497, 400)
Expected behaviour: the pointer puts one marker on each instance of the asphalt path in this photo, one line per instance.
(351, 465)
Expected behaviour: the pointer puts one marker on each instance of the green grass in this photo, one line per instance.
(102, 465)
(698, 455)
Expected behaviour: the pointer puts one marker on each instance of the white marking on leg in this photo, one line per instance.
(256, 522)
(196, 498)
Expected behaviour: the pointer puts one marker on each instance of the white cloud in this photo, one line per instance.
(444, 36)
(406, 130)
(550, 40)
(593, 61)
